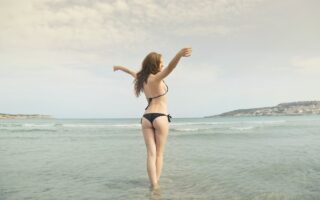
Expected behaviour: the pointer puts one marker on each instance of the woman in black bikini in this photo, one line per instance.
(155, 121)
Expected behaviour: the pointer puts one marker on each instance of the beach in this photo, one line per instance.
(205, 158)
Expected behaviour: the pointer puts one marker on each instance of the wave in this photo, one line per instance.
(29, 130)
(213, 129)
(230, 122)
(242, 128)
(38, 125)
(200, 123)
(27, 127)
(57, 125)
(82, 125)
(126, 124)
(100, 125)
(190, 129)
(175, 126)
(269, 122)
(10, 125)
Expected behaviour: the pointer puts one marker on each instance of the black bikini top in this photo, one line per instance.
(150, 98)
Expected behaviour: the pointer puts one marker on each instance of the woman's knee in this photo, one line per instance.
(151, 154)
(159, 154)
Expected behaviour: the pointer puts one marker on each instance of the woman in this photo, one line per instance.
(155, 121)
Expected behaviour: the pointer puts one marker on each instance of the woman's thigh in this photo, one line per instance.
(149, 137)
(161, 126)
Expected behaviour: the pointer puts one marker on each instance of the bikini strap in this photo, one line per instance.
(169, 117)
(161, 94)
(150, 98)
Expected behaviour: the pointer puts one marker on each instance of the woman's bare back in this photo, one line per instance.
(154, 88)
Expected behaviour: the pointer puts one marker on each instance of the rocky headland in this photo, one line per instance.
(291, 108)
(23, 116)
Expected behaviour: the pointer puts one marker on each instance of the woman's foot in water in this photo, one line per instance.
(155, 186)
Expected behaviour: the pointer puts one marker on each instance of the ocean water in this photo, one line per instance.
(205, 158)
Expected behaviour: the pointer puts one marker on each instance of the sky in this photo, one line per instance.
(56, 56)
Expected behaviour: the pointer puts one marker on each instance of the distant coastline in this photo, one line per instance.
(24, 116)
(282, 109)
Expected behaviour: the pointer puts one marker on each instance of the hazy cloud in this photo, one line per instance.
(96, 24)
(310, 65)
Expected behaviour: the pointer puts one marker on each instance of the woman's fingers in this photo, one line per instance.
(187, 51)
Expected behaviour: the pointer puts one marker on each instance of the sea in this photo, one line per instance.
(232, 158)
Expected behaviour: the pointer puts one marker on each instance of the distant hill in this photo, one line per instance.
(292, 108)
(23, 116)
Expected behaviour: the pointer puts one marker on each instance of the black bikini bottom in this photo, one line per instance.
(153, 116)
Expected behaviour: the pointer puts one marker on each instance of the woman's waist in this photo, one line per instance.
(161, 112)
(157, 109)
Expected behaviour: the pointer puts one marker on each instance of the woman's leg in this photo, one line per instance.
(149, 138)
(161, 125)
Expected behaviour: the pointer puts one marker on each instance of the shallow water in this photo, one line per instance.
(205, 158)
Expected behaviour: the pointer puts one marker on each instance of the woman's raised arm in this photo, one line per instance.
(125, 69)
(185, 52)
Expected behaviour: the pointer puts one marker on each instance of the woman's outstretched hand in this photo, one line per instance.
(125, 69)
(185, 52)
(115, 68)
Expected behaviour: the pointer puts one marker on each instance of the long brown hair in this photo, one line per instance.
(150, 65)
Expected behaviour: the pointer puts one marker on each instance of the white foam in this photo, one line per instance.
(201, 123)
(100, 125)
(242, 128)
(37, 125)
(189, 129)
(268, 122)
(83, 125)
(126, 125)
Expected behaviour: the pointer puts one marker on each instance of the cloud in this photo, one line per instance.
(307, 64)
(195, 75)
(82, 24)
